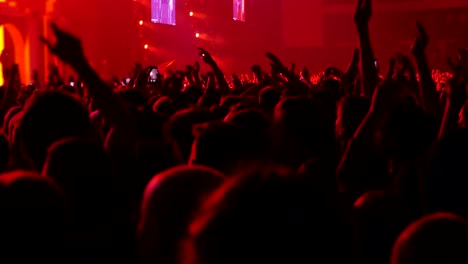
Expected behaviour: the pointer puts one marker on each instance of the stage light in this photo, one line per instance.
(141, 23)
(191, 13)
(197, 35)
(146, 46)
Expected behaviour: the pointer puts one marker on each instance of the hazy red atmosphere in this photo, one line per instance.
(234, 131)
(313, 33)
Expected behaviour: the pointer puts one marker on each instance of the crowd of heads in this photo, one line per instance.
(351, 165)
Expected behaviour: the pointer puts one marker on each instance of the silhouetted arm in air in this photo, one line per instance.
(218, 73)
(349, 77)
(196, 74)
(68, 48)
(12, 89)
(357, 167)
(429, 97)
(456, 98)
(369, 74)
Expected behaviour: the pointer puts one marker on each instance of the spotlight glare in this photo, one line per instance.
(191, 13)
(141, 22)
(146, 46)
(197, 35)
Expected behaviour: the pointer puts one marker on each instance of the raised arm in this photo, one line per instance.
(68, 48)
(369, 74)
(457, 96)
(12, 88)
(294, 83)
(208, 59)
(359, 164)
(428, 91)
(257, 70)
(349, 77)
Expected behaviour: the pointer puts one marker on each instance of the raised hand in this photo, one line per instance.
(460, 66)
(257, 70)
(386, 93)
(67, 47)
(421, 42)
(276, 65)
(237, 82)
(456, 94)
(292, 69)
(188, 70)
(363, 12)
(305, 74)
(206, 56)
(196, 68)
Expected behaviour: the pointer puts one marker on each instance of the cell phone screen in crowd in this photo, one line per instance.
(154, 75)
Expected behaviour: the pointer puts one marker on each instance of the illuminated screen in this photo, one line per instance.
(239, 10)
(163, 12)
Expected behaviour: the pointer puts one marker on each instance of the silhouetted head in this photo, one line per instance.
(165, 106)
(304, 129)
(48, 117)
(83, 171)
(70, 90)
(445, 185)
(9, 115)
(133, 98)
(32, 226)
(208, 100)
(180, 128)
(333, 86)
(192, 94)
(251, 118)
(408, 131)
(379, 218)
(229, 102)
(227, 146)
(266, 217)
(169, 203)
(351, 113)
(269, 98)
(435, 239)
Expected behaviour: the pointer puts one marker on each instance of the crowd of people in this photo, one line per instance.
(348, 166)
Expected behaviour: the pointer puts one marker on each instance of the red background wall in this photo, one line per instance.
(316, 33)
